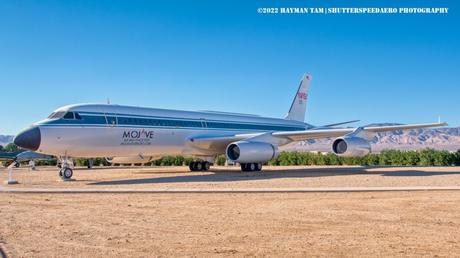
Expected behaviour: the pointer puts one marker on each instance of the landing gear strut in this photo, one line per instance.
(199, 166)
(66, 172)
(250, 167)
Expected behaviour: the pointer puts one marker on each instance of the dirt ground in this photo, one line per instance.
(233, 224)
(232, 177)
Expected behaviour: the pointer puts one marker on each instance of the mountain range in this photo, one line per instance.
(440, 138)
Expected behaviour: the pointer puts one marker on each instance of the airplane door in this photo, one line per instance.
(111, 120)
(203, 123)
(111, 135)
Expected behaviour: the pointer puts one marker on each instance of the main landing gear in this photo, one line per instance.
(199, 166)
(251, 167)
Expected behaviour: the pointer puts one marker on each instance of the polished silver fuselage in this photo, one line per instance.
(110, 130)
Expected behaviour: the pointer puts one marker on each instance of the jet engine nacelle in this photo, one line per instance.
(351, 147)
(251, 152)
(129, 160)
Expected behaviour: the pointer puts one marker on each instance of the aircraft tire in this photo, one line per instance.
(206, 166)
(198, 166)
(191, 166)
(67, 173)
(251, 167)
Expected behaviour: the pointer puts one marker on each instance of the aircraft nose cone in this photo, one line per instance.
(29, 139)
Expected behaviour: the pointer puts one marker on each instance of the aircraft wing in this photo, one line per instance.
(216, 142)
(338, 132)
(3, 158)
(313, 133)
(220, 142)
(7, 156)
(31, 155)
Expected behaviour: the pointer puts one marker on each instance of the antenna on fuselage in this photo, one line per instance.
(108, 101)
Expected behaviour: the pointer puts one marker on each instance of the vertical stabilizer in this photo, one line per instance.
(299, 104)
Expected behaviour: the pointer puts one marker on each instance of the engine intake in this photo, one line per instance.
(351, 147)
(249, 152)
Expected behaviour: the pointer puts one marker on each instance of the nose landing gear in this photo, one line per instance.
(66, 171)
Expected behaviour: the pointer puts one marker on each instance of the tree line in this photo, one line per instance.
(426, 157)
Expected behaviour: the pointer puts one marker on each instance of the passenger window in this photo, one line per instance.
(69, 115)
(77, 116)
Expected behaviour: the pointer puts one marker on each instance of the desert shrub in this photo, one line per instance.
(427, 157)
(457, 158)
(220, 160)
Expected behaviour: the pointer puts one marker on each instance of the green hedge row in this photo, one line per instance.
(426, 157)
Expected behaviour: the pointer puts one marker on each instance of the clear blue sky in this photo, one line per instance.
(223, 55)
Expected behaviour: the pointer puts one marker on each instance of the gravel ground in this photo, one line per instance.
(233, 224)
(222, 177)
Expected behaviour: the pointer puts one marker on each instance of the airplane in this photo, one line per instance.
(139, 134)
(21, 156)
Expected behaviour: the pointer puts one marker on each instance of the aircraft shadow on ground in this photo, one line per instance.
(234, 176)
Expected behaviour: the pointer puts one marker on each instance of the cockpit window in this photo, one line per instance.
(65, 115)
(69, 115)
(56, 115)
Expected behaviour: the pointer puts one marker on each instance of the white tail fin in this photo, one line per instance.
(299, 104)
